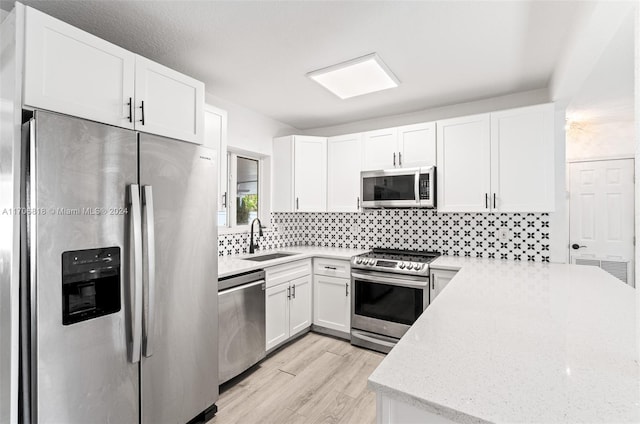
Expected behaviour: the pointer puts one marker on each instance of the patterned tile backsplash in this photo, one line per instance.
(457, 234)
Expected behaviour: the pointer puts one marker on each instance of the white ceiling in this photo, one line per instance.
(256, 54)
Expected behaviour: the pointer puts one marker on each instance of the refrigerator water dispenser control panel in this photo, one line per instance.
(91, 281)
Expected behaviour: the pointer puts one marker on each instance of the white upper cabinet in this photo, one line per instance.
(343, 173)
(417, 145)
(402, 147)
(463, 171)
(215, 137)
(168, 103)
(299, 177)
(70, 71)
(522, 158)
(497, 162)
(379, 149)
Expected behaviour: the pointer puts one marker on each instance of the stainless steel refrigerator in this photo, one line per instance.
(119, 288)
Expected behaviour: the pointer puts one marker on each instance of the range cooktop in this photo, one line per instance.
(394, 260)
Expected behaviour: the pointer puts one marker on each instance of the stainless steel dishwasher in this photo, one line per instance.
(241, 323)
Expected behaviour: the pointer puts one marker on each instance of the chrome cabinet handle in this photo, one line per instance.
(224, 200)
(358, 203)
(136, 281)
(297, 203)
(150, 276)
(288, 292)
(433, 282)
(130, 104)
(293, 292)
(330, 267)
(142, 110)
(394, 158)
(346, 287)
(399, 159)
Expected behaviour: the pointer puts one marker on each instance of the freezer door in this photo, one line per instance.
(180, 377)
(79, 284)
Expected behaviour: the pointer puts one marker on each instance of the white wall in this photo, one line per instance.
(599, 140)
(247, 129)
(481, 106)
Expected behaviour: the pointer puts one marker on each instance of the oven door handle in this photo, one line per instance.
(390, 280)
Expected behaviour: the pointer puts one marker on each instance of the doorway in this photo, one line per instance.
(601, 216)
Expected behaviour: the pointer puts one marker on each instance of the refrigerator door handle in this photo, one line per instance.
(150, 274)
(136, 282)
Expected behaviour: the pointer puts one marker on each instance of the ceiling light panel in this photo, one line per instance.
(356, 77)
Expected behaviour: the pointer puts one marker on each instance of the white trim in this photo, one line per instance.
(601, 158)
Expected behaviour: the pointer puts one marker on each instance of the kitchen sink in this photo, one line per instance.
(270, 256)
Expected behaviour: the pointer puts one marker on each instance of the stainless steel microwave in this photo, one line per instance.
(398, 188)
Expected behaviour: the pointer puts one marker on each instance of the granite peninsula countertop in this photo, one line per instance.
(510, 341)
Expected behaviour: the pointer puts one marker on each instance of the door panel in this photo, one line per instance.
(464, 165)
(379, 148)
(82, 369)
(173, 102)
(602, 214)
(310, 163)
(71, 71)
(332, 303)
(180, 379)
(417, 143)
(343, 173)
(300, 313)
(277, 315)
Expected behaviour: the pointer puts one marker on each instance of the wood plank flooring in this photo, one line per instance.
(315, 379)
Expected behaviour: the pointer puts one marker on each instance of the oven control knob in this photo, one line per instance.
(418, 267)
(358, 260)
(372, 262)
(409, 265)
(401, 265)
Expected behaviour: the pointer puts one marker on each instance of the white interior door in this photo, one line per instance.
(602, 214)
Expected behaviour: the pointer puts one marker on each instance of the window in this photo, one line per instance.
(243, 200)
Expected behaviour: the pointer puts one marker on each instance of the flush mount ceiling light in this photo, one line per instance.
(364, 75)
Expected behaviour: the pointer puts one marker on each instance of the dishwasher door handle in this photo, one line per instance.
(242, 287)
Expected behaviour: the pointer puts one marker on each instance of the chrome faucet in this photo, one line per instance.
(252, 246)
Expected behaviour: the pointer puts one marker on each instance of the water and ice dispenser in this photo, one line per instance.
(91, 281)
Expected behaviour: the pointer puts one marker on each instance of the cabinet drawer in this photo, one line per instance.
(332, 268)
(286, 272)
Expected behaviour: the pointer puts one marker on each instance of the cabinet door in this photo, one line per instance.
(332, 303)
(439, 279)
(380, 149)
(300, 312)
(463, 171)
(168, 103)
(343, 173)
(522, 159)
(310, 175)
(70, 71)
(277, 315)
(417, 145)
(282, 165)
(215, 137)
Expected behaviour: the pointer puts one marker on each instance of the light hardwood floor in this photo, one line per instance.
(315, 379)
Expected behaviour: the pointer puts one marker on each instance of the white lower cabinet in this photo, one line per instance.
(439, 279)
(300, 305)
(332, 303)
(287, 301)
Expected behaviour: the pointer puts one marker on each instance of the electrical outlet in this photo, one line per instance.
(503, 234)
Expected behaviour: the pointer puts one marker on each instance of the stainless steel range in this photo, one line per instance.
(390, 291)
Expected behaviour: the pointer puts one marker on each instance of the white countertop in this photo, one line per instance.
(510, 341)
(230, 265)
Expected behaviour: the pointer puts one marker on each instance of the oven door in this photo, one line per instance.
(385, 303)
(390, 188)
